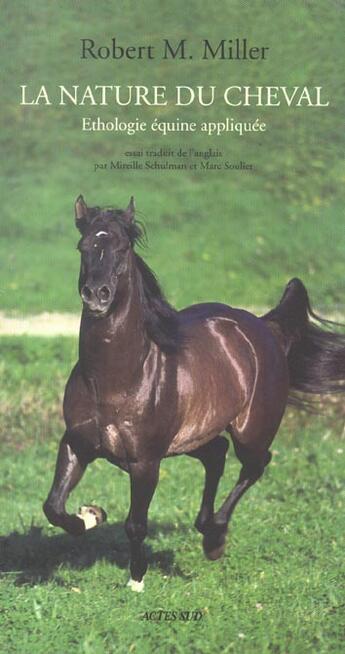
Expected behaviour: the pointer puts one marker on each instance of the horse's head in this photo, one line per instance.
(107, 238)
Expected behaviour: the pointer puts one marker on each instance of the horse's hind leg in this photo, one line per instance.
(253, 466)
(212, 456)
(69, 470)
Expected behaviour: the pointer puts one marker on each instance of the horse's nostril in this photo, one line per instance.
(86, 293)
(104, 293)
(94, 296)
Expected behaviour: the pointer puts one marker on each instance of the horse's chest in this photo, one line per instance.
(111, 441)
(125, 425)
(122, 429)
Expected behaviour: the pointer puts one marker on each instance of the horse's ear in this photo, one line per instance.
(130, 211)
(81, 213)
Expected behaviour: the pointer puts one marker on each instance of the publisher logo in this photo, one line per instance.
(162, 615)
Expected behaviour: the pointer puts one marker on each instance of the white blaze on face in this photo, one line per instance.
(101, 233)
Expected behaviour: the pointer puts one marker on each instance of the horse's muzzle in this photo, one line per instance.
(97, 299)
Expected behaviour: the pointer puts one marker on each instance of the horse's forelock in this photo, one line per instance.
(133, 230)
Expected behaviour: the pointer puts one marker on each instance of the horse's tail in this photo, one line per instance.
(315, 351)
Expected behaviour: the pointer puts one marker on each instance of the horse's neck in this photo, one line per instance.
(112, 349)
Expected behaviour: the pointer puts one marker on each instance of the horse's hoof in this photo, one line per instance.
(214, 545)
(214, 555)
(136, 586)
(92, 516)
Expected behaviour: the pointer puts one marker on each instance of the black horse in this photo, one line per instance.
(153, 382)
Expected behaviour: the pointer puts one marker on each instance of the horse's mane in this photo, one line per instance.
(161, 319)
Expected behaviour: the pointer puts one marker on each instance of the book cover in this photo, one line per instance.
(224, 122)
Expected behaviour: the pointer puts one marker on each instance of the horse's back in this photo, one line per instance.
(238, 333)
(203, 315)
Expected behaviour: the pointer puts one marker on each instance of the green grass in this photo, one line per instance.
(235, 236)
(278, 589)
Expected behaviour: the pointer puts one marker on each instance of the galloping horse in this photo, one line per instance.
(153, 382)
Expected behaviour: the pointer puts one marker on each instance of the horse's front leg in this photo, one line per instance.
(144, 479)
(69, 470)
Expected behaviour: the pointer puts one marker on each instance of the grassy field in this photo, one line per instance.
(278, 590)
